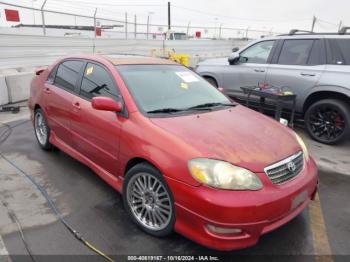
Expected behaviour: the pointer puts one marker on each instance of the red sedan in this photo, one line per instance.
(184, 156)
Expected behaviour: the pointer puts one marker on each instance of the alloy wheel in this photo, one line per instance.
(41, 128)
(149, 201)
(326, 122)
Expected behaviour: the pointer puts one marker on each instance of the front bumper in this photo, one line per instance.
(253, 212)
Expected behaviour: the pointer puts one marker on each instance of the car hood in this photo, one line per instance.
(237, 135)
(214, 61)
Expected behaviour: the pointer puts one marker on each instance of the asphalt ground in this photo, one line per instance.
(320, 233)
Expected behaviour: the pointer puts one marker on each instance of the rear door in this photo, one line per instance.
(298, 66)
(96, 133)
(250, 70)
(59, 93)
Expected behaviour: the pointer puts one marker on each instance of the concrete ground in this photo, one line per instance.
(320, 233)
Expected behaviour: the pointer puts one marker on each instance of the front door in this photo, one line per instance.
(250, 69)
(96, 133)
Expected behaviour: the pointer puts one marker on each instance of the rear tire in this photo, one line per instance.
(148, 200)
(212, 81)
(328, 121)
(42, 130)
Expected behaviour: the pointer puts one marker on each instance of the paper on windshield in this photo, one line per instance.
(89, 70)
(187, 77)
(184, 85)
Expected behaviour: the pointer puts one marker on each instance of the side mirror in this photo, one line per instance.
(107, 104)
(233, 58)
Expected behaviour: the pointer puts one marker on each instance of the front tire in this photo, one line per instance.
(148, 200)
(42, 130)
(328, 121)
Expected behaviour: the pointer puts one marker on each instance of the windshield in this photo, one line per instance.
(169, 88)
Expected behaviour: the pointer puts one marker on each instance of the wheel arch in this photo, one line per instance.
(213, 75)
(135, 161)
(323, 94)
(37, 106)
(213, 78)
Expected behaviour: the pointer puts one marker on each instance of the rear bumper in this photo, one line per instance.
(254, 212)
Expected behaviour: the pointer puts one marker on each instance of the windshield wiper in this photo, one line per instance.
(174, 110)
(208, 105)
(165, 110)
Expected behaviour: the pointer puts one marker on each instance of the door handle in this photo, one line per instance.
(76, 106)
(307, 74)
(47, 90)
(259, 70)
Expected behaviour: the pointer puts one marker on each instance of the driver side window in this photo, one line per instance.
(97, 82)
(257, 54)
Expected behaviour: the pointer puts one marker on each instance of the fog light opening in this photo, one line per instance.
(224, 230)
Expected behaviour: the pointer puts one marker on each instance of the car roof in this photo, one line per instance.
(138, 60)
(124, 59)
(306, 36)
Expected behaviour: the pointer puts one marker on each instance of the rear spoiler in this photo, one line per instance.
(39, 70)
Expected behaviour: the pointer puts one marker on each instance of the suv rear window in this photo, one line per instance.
(339, 51)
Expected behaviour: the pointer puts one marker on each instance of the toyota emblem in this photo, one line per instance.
(291, 166)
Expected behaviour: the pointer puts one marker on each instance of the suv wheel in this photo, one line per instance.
(328, 121)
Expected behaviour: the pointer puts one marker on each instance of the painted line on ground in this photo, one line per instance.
(322, 249)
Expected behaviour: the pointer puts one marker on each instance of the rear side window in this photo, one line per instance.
(97, 82)
(67, 74)
(339, 51)
(295, 52)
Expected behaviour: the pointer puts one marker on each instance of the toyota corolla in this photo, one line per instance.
(184, 156)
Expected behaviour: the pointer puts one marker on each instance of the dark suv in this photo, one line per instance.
(315, 67)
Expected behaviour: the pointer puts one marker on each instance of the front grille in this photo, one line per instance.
(286, 169)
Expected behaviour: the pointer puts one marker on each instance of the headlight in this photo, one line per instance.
(220, 174)
(303, 147)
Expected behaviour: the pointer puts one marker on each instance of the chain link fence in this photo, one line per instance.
(51, 22)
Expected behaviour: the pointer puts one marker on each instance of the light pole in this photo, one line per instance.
(149, 22)
(246, 32)
(188, 29)
(43, 17)
(150, 16)
(33, 11)
(216, 20)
